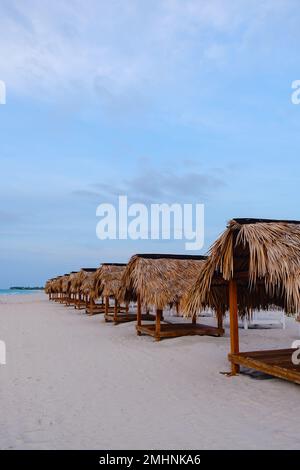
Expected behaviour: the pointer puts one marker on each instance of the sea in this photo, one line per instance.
(19, 291)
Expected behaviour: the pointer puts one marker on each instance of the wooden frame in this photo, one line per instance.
(274, 362)
(159, 330)
(120, 314)
(95, 309)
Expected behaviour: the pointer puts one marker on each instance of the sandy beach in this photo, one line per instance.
(72, 381)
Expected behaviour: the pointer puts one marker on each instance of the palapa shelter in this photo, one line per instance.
(77, 286)
(86, 288)
(70, 296)
(49, 288)
(65, 285)
(255, 264)
(161, 280)
(107, 283)
(57, 289)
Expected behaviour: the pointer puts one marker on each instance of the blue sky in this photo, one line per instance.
(163, 100)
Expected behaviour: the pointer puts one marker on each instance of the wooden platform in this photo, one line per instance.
(173, 330)
(276, 362)
(126, 317)
(97, 309)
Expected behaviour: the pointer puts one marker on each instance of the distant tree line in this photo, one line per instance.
(26, 288)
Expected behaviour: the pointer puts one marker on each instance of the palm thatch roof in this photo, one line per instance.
(77, 279)
(55, 285)
(59, 284)
(263, 256)
(107, 280)
(65, 285)
(88, 281)
(159, 279)
(47, 287)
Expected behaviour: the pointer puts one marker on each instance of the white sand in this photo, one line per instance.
(72, 381)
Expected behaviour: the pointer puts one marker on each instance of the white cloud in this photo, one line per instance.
(53, 47)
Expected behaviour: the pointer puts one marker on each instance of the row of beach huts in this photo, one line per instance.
(253, 266)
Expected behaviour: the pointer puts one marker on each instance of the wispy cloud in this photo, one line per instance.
(76, 47)
(150, 184)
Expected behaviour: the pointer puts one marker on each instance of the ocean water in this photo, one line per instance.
(18, 291)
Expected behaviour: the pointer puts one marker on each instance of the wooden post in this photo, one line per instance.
(157, 324)
(139, 314)
(220, 318)
(127, 309)
(234, 326)
(116, 311)
(106, 306)
(194, 319)
(91, 306)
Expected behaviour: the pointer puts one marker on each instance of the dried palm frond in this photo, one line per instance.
(266, 252)
(159, 280)
(107, 280)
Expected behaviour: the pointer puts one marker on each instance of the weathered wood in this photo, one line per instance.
(277, 362)
(234, 327)
(139, 314)
(174, 330)
(116, 310)
(106, 305)
(158, 324)
(219, 319)
(124, 317)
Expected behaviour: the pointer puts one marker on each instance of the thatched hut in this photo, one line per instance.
(87, 286)
(107, 282)
(255, 264)
(56, 288)
(49, 288)
(160, 280)
(65, 287)
(83, 276)
(69, 289)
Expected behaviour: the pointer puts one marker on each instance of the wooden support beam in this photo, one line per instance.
(194, 319)
(234, 327)
(158, 324)
(116, 310)
(219, 318)
(92, 305)
(127, 309)
(106, 305)
(139, 313)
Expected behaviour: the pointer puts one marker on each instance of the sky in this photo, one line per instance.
(185, 101)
